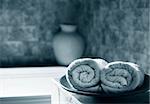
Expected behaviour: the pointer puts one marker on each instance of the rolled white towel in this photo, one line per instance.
(121, 76)
(84, 74)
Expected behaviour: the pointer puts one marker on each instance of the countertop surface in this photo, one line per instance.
(30, 81)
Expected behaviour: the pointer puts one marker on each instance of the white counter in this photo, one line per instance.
(30, 81)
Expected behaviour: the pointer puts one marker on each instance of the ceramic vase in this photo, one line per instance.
(68, 44)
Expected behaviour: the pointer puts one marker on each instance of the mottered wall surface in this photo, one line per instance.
(27, 28)
(113, 29)
(117, 30)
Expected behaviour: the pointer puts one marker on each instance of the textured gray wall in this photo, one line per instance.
(117, 30)
(27, 28)
(113, 29)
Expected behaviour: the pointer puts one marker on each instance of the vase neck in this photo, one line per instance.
(68, 28)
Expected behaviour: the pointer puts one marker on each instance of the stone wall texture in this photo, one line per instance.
(117, 30)
(113, 30)
(27, 28)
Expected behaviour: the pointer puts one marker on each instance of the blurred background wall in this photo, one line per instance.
(117, 30)
(113, 30)
(26, 31)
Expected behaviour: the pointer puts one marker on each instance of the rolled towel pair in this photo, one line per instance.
(96, 75)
